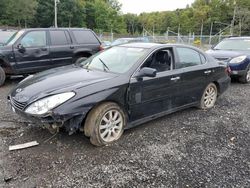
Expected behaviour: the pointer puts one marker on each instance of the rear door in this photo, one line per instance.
(61, 48)
(32, 51)
(196, 73)
(86, 41)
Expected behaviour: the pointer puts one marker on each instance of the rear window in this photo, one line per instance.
(58, 38)
(85, 37)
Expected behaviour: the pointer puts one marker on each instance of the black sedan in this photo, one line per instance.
(119, 88)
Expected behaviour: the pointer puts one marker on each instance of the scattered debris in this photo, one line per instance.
(232, 139)
(22, 146)
(7, 179)
(50, 137)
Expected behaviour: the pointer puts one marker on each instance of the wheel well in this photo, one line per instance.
(218, 86)
(2, 63)
(102, 102)
(83, 54)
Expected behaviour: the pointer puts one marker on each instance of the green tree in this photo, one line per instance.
(20, 11)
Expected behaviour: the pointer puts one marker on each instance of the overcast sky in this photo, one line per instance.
(139, 6)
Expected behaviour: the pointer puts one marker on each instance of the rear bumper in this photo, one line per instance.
(224, 84)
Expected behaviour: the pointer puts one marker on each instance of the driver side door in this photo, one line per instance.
(149, 96)
(32, 52)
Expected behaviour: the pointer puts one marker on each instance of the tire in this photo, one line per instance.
(105, 124)
(209, 97)
(246, 77)
(79, 60)
(2, 76)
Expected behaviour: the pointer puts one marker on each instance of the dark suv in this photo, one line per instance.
(33, 50)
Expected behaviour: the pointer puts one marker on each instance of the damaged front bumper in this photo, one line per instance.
(54, 120)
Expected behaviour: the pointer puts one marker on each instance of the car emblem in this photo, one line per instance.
(18, 90)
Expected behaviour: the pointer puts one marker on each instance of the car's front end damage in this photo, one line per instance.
(54, 118)
(52, 103)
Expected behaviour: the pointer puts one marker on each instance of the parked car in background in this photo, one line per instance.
(106, 44)
(119, 88)
(236, 52)
(129, 40)
(5, 36)
(33, 50)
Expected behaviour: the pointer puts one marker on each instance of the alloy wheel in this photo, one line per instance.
(210, 97)
(248, 76)
(111, 125)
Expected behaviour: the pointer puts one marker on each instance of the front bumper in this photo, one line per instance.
(72, 122)
(238, 72)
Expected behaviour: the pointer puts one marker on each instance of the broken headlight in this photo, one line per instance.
(46, 104)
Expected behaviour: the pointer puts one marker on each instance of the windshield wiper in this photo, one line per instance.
(105, 67)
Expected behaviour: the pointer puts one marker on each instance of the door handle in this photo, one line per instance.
(207, 72)
(175, 78)
(71, 47)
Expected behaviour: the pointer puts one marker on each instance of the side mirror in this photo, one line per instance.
(21, 48)
(146, 72)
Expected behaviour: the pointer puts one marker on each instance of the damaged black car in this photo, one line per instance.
(119, 88)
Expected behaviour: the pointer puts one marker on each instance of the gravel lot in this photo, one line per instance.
(191, 148)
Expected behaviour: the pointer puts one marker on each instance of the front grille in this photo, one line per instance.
(16, 104)
(222, 59)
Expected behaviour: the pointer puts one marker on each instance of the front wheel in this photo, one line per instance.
(105, 124)
(209, 97)
(2, 76)
(246, 77)
(80, 60)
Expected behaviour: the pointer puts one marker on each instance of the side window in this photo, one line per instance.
(34, 39)
(58, 38)
(188, 57)
(160, 60)
(85, 37)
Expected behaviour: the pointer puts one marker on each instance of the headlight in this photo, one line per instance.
(42, 106)
(237, 60)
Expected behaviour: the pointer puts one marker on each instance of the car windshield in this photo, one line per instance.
(233, 45)
(116, 59)
(14, 37)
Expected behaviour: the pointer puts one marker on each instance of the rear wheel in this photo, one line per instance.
(246, 77)
(209, 96)
(2, 76)
(105, 124)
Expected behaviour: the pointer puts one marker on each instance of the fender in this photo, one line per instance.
(5, 65)
(83, 50)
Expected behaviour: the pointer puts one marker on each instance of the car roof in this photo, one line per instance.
(53, 28)
(154, 45)
(238, 38)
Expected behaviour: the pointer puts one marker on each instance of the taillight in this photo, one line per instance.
(228, 70)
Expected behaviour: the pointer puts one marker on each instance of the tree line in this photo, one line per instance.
(106, 16)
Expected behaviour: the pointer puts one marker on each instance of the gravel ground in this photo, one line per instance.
(191, 148)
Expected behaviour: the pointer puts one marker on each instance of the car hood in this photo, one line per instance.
(57, 80)
(226, 54)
